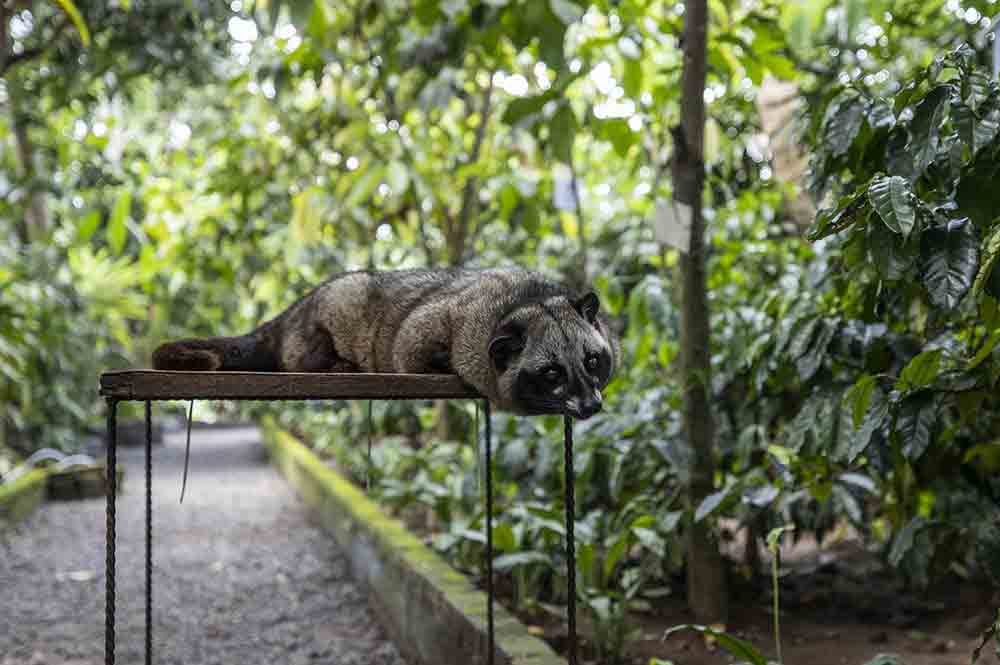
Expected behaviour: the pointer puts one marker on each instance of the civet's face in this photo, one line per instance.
(551, 356)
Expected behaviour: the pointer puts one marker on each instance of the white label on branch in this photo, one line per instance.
(672, 224)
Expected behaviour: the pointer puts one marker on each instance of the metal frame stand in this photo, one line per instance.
(112, 494)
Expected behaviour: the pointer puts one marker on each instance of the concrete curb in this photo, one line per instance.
(434, 614)
(20, 498)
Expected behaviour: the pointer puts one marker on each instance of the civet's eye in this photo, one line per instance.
(552, 374)
(592, 362)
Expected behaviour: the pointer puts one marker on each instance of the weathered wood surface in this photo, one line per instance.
(148, 384)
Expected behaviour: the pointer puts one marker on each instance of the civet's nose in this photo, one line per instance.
(589, 408)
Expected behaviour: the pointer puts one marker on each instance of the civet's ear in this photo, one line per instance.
(507, 342)
(588, 305)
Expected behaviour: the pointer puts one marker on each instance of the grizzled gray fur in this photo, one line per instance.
(529, 344)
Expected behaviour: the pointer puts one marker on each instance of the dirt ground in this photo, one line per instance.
(838, 607)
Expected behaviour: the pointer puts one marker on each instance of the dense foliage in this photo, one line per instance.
(194, 167)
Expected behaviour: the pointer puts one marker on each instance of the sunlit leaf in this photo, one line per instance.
(859, 398)
(88, 225)
(921, 371)
(117, 230)
(70, 9)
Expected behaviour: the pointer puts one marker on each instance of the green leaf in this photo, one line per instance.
(915, 424)
(832, 221)
(903, 542)
(508, 561)
(503, 537)
(985, 350)
(842, 122)
(989, 259)
(898, 160)
(736, 647)
(974, 132)
(885, 659)
(880, 114)
(632, 80)
(859, 398)
(397, 177)
(568, 12)
(615, 554)
(925, 127)
(117, 230)
(810, 362)
(88, 225)
(921, 371)
(522, 107)
(950, 261)
(875, 417)
(710, 504)
(70, 9)
(975, 89)
(562, 132)
(617, 131)
(892, 254)
(540, 20)
(894, 202)
(803, 335)
(774, 536)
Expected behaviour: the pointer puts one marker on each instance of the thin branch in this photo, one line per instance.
(581, 219)
(469, 190)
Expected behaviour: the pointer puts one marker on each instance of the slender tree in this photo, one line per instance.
(706, 579)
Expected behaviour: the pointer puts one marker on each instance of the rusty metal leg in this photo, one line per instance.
(490, 648)
(111, 490)
(570, 537)
(149, 532)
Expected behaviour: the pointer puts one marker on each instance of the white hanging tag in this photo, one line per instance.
(672, 224)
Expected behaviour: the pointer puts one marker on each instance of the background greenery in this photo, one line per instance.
(183, 167)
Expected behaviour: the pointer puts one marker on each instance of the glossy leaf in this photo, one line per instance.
(895, 203)
(921, 371)
(925, 127)
(950, 262)
(842, 123)
(736, 647)
(914, 425)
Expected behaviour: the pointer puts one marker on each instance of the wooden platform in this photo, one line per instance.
(148, 384)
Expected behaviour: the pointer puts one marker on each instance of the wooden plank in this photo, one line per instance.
(147, 384)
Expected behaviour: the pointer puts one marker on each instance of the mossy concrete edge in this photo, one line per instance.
(434, 614)
(20, 498)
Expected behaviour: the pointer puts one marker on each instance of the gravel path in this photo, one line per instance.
(240, 576)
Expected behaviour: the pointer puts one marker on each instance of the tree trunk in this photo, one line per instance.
(706, 574)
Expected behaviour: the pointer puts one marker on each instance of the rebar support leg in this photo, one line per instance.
(149, 532)
(570, 537)
(111, 490)
(488, 434)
